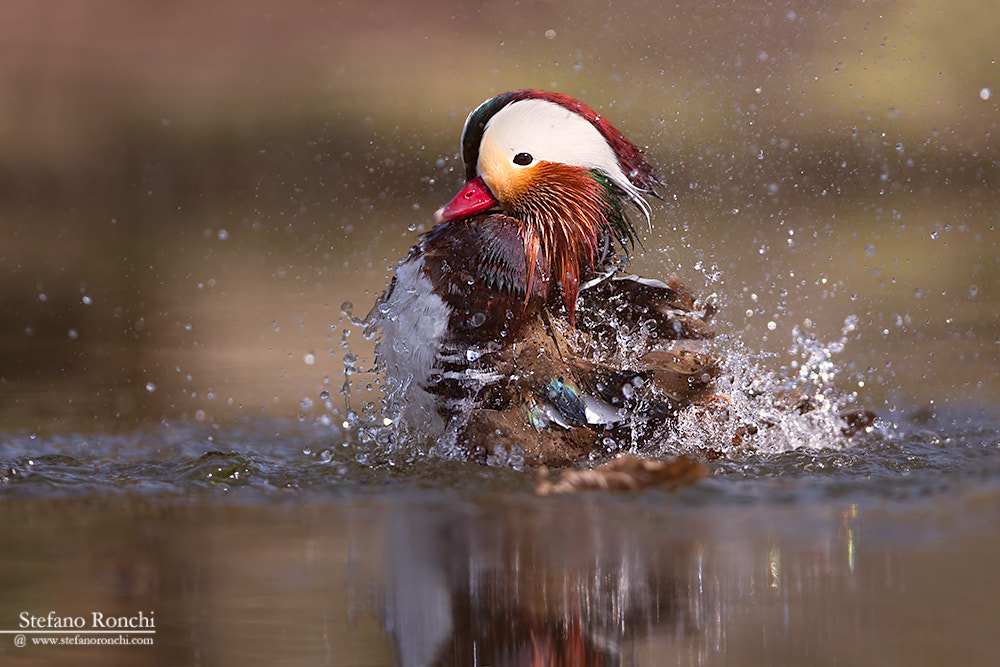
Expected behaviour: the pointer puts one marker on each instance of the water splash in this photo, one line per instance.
(755, 409)
(760, 410)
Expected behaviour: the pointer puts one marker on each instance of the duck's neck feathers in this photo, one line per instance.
(571, 217)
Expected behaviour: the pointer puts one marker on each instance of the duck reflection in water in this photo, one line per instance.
(547, 587)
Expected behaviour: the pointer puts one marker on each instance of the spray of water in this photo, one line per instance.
(759, 410)
(755, 409)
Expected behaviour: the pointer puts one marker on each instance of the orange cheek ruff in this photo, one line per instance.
(565, 211)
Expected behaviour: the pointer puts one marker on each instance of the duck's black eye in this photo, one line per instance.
(523, 159)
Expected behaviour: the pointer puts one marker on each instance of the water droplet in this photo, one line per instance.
(400, 346)
(306, 403)
(985, 93)
(309, 358)
(222, 235)
(150, 387)
(86, 300)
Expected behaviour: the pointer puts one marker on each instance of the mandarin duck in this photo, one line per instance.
(508, 328)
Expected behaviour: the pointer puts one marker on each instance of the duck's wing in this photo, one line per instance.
(667, 310)
(557, 404)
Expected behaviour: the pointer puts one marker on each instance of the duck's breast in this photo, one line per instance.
(414, 322)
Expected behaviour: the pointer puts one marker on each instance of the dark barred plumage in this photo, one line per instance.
(479, 268)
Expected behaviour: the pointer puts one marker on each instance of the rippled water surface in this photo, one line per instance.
(924, 452)
(272, 542)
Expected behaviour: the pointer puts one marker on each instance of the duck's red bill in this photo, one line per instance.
(474, 197)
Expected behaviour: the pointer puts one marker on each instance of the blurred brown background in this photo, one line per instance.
(190, 191)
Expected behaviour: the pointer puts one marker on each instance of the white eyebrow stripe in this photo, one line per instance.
(553, 133)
